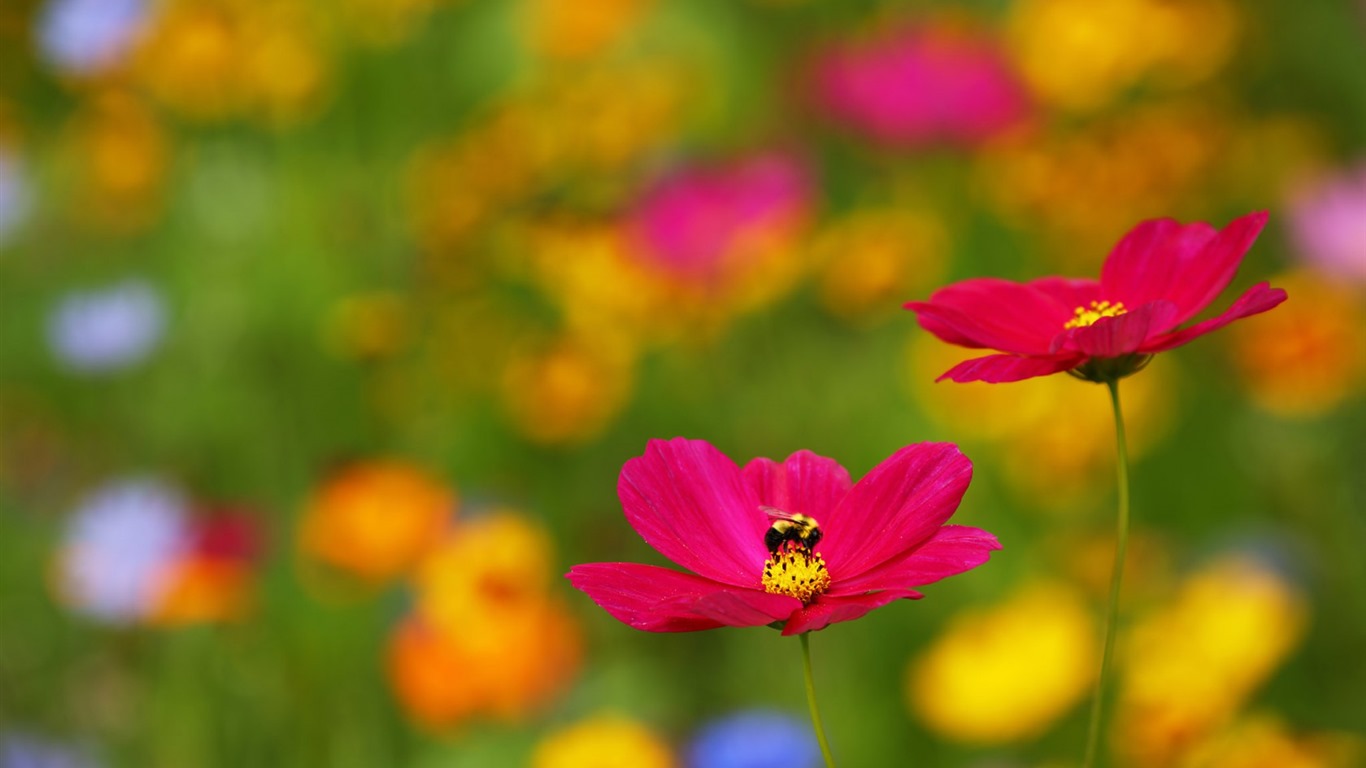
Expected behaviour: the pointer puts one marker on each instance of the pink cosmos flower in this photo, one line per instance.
(1160, 275)
(920, 84)
(880, 537)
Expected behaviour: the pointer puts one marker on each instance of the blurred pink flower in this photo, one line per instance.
(1328, 223)
(696, 219)
(880, 537)
(919, 84)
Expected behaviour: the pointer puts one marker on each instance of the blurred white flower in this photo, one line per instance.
(86, 37)
(14, 195)
(107, 329)
(117, 547)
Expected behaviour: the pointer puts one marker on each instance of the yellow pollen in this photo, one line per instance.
(1089, 315)
(797, 572)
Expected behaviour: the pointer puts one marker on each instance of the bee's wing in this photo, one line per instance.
(777, 514)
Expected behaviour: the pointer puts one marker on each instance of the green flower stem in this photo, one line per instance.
(811, 700)
(1116, 576)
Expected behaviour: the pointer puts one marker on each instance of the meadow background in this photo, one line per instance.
(326, 327)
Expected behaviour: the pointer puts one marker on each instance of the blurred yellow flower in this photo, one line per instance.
(587, 270)
(1081, 55)
(284, 70)
(190, 58)
(493, 564)
(218, 59)
(1187, 668)
(1306, 359)
(374, 520)
(872, 259)
(1055, 434)
(1007, 672)
(119, 156)
(606, 118)
(486, 637)
(603, 741)
(1153, 158)
(570, 29)
(1263, 741)
(459, 184)
(566, 392)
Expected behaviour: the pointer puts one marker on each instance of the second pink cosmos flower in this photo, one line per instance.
(1160, 275)
(880, 537)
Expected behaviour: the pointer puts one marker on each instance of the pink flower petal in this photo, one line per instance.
(687, 500)
(1188, 265)
(952, 550)
(830, 610)
(1120, 335)
(805, 483)
(894, 508)
(1068, 292)
(1145, 262)
(1259, 298)
(657, 599)
(998, 369)
(991, 313)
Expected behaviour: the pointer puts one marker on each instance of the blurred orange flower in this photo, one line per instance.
(213, 579)
(1308, 358)
(1264, 741)
(566, 392)
(119, 156)
(870, 258)
(571, 29)
(218, 59)
(486, 636)
(203, 589)
(1153, 158)
(374, 520)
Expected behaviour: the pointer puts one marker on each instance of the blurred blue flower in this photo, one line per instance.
(22, 751)
(117, 546)
(755, 739)
(86, 37)
(14, 194)
(107, 329)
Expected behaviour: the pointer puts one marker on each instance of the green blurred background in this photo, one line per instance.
(327, 321)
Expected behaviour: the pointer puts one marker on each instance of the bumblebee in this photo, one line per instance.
(791, 527)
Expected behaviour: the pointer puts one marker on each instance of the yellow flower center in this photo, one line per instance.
(797, 572)
(1089, 315)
